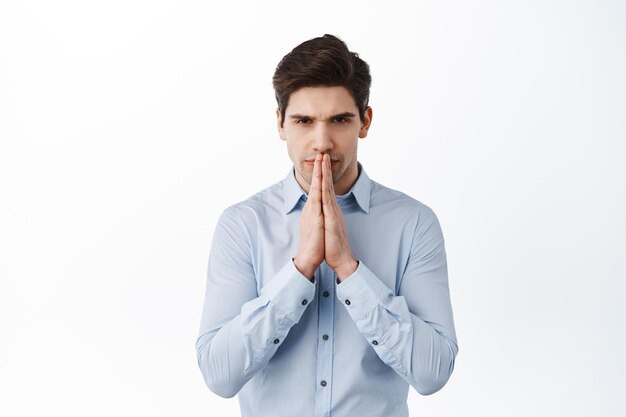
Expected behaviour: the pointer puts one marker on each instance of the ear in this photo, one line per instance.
(367, 122)
(281, 131)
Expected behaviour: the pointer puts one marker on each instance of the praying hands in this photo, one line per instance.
(322, 229)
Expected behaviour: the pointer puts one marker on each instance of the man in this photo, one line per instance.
(327, 293)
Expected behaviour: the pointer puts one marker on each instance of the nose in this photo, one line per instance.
(322, 140)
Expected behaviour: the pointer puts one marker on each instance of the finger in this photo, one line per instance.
(328, 194)
(324, 181)
(316, 181)
(329, 176)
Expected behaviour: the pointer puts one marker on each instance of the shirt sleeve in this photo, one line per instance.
(240, 329)
(413, 331)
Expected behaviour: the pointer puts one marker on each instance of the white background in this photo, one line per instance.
(126, 128)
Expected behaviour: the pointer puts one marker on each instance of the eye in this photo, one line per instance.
(304, 120)
(341, 120)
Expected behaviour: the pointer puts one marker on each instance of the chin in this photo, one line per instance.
(337, 172)
(306, 176)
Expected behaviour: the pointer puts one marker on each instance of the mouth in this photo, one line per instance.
(311, 161)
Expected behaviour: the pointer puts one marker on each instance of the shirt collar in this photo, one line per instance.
(361, 190)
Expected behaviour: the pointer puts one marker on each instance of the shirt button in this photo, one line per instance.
(323, 383)
(325, 337)
(347, 302)
(375, 342)
(276, 341)
(325, 293)
(304, 302)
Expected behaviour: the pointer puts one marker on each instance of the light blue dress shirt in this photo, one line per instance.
(291, 347)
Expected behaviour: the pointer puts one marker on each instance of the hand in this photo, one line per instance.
(337, 250)
(311, 250)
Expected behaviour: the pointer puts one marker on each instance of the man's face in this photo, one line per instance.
(322, 120)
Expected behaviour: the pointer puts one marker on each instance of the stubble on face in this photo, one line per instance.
(335, 106)
(338, 169)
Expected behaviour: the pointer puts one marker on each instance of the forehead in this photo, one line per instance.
(321, 101)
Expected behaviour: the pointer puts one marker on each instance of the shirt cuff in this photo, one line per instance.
(290, 291)
(362, 291)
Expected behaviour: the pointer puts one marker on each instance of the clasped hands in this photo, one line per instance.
(322, 229)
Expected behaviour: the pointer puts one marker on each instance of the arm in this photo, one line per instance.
(241, 330)
(412, 332)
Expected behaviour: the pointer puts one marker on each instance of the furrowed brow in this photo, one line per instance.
(301, 116)
(345, 114)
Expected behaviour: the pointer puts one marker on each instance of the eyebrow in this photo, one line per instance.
(345, 114)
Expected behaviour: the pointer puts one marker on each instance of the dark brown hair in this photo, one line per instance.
(322, 61)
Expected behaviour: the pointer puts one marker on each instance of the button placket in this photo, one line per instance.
(325, 305)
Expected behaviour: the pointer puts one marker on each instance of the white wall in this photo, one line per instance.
(126, 127)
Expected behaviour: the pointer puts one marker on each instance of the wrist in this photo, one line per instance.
(345, 270)
(305, 269)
